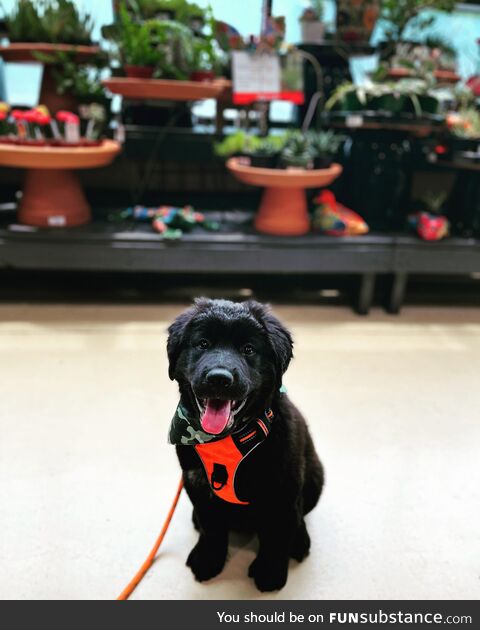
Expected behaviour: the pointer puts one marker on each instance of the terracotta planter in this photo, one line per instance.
(203, 76)
(283, 210)
(139, 72)
(164, 89)
(52, 194)
(25, 52)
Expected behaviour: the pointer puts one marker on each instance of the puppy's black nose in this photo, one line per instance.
(219, 377)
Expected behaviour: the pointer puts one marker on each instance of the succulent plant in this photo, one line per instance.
(297, 151)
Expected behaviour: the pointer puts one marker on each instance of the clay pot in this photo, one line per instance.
(203, 76)
(139, 72)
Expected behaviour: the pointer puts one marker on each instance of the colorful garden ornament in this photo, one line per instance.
(429, 226)
(169, 221)
(334, 219)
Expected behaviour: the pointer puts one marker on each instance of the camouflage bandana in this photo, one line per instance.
(182, 431)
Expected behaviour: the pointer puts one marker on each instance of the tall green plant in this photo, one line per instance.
(51, 21)
(135, 41)
(399, 14)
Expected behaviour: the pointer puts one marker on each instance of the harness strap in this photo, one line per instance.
(222, 458)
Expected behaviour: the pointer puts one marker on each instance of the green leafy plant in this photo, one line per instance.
(66, 24)
(298, 151)
(182, 10)
(393, 96)
(71, 78)
(230, 145)
(50, 21)
(400, 14)
(134, 40)
(24, 23)
(433, 201)
(325, 143)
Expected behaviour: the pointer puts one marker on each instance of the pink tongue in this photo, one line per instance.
(216, 415)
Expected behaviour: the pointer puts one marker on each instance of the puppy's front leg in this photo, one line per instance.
(208, 557)
(275, 534)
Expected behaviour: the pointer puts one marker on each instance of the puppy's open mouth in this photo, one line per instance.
(217, 415)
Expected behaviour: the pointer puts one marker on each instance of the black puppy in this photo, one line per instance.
(229, 359)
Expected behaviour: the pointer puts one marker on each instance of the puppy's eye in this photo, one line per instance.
(203, 344)
(248, 349)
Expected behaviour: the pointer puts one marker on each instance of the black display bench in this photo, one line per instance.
(236, 249)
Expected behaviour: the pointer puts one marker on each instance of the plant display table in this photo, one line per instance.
(283, 210)
(52, 194)
(25, 53)
(165, 89)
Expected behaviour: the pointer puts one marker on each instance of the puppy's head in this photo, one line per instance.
(228, 359)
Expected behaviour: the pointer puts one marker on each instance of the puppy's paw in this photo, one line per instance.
(206, 560)
(268, 575)
(300, 545)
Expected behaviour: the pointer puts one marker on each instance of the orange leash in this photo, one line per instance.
(132, 585)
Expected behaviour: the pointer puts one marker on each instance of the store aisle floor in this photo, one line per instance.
(86, 474)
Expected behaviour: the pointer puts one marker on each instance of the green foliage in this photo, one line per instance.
(71, 78)
(25, 24)
(65, 23)
(183, 10)
(50, 21)
(231, 145)
(135, 41)
(433, 201)
(325, 142)
(412, 90)
(297, 151)
(398, 14)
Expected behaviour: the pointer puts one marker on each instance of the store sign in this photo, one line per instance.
(266, 77)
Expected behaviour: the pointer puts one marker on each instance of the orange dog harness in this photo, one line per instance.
(222, 458)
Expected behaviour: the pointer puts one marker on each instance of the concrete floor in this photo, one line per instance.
(86, 474)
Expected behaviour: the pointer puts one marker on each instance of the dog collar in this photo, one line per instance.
(221, 457)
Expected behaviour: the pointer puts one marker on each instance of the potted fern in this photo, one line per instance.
(137, 52)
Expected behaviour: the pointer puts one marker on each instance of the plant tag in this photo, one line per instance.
(266, 77)
(72, 132)
(57, 220)
(354, 120)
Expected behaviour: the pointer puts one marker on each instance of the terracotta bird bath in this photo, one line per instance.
(52, 194)
(283, 210)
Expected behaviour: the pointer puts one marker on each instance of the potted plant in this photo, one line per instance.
(137, 51)
(204, 60)
(348, 97)
(311, 20)
(356, 19)
(50, 21)
(233, 145)
(265, 152)
(297, 152)
(325, 147)
(397, 16)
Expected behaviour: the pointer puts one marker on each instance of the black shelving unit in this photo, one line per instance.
(237, 249)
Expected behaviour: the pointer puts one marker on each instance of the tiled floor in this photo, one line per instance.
(86, 474)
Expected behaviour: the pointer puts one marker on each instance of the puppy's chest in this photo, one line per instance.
(234, 476)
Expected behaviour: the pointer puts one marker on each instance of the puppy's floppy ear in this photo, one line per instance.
(279, 337)
(177, 330)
